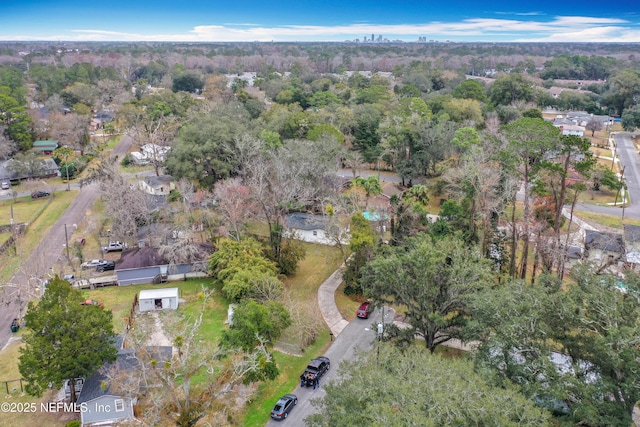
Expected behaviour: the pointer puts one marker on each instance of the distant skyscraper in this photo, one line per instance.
(373, 37)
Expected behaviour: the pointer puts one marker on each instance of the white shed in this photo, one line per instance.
(158, 299)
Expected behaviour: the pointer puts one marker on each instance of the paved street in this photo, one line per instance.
(357, 336)
(51, 247)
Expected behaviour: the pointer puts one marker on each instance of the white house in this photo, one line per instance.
(157, 185)
(139, 158)
(158, 299)
(154, 152)
(567, 129)
(311, 228)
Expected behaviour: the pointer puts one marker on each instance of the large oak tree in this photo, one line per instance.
(411, 388)
(65, 339)
(432, 279)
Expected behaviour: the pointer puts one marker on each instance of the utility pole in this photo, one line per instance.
(66, 238)
(615, 202)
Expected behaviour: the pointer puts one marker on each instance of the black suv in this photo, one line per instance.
(105, 266)
(316, 369)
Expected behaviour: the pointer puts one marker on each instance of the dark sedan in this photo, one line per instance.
(39, 194)
(283, 406)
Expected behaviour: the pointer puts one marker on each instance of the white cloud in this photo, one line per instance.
(559, 29)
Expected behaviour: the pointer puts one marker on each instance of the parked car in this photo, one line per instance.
(316, 369)
(365, 309)
(39, 194)
(69, 277)
(5, 185)
(91, 264)
(283, 406)
(115, 247)
(106, 266)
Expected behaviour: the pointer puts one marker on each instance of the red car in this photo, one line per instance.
(366, 308)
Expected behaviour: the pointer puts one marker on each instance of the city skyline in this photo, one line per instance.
(407, 20)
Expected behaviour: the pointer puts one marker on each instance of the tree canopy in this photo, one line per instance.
(574, 351)
(413, 387)
(65, 339)
(432, 279)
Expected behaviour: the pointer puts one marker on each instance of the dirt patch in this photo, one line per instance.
(158, 336)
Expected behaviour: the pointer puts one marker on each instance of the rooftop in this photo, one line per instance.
(158, 293)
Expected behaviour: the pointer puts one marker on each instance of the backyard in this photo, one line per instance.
(320, 262)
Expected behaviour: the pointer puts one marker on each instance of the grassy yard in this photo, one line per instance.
(23, 210)
(612, 221)
(319, 264)
(9, 371)
(10, 261)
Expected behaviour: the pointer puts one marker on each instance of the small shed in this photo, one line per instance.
(158, 299)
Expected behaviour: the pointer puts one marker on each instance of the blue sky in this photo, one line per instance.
(331, 20)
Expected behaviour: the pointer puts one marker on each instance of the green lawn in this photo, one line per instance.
(23, 210)
(11, 261)
(320, 262)
(257, 412)
(613, 221)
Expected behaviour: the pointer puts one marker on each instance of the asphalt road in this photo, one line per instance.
(630, 160)
(48, 251)
(357, 337)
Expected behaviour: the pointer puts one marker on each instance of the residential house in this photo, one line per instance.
(102, 404)
(157, 185)
(139, 158)
(15, 170)
(632, 246)
(311, 228)
(570, 129)
(155, 153)
(45, 147)
(574, 256)
(146, 265)
(603, 249)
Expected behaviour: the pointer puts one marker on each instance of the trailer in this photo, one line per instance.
(96, 282)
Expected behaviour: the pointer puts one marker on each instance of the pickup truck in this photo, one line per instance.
(115, 247)
(316, 369)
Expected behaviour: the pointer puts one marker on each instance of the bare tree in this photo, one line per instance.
(594, 125)
(172, 387)
(294, 174)
(71, 129)
(7, 146)
(125, 204)
(234, 204)
(182, 249)
(186, 189)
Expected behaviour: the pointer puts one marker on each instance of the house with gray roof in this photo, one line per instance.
(311, 228)
(15, 170)
(101, 404)
(158, 185)
(603, 248)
